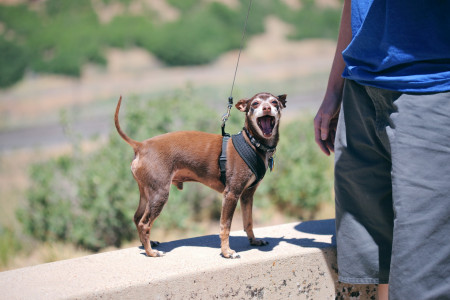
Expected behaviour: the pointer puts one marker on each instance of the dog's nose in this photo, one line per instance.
(266, 108)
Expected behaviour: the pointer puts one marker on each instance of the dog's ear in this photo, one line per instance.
(282, 99)
(242, 105)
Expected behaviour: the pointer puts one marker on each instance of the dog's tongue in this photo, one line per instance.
(266, 125)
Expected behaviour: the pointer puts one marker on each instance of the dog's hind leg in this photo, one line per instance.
(138, 216)
(140, 212)
(247, 206)
(154, 203)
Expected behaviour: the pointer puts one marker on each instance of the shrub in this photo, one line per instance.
(184, 5)
(64, 35)
(313, 22)
(79, 43)
(9, 244)
(302, 178)
(197, 38)
(13, 62)
(129, 31)
(67, 8)
(19, 20)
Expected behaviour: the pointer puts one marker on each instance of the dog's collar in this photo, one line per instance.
(259, 145)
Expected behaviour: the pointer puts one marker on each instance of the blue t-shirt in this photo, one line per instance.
(400, 45)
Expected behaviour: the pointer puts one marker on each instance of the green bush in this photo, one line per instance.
(313, 22)
(184, 5)
(9, 244)
(64, 35)
(67, 8)
(129, 31)
(302, 178)
(66, 52)
(201, 36)
(20, 21)
(192, 41)
(13, 62)
(89, 199)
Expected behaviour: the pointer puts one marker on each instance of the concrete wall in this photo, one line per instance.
(298, 263)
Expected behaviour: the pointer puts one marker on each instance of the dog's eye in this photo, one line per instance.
(255, 104)
(274, 102)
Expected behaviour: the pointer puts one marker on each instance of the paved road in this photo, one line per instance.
(42, 136)
(51, 134)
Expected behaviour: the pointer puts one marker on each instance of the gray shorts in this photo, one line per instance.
(392, 184)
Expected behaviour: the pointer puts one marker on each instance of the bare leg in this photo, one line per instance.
(383, 292)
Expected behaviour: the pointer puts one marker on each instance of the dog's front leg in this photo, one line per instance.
(228, 206)
(247, 216)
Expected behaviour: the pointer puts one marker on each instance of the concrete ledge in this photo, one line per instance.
(298, 263)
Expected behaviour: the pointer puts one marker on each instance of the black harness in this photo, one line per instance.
(223, 159)
(248, 154)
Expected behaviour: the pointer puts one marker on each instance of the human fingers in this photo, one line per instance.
(330, 140)
(318, 135)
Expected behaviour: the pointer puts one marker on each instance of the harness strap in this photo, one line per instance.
(249, 155)
(223, 159)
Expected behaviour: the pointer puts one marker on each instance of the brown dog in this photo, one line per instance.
(183, 156)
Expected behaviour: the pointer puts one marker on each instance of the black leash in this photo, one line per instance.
(226, 136)
(230, 99)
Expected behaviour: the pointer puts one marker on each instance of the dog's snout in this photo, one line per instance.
(266, 108)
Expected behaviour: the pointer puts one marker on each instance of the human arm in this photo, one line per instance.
(325, 122)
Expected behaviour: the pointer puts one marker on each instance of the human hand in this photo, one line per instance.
(325, 123)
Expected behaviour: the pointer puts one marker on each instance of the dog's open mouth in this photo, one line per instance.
(266, 124)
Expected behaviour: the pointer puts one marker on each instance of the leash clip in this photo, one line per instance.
(226, 116)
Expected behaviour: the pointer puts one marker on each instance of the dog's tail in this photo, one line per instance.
(130, 141)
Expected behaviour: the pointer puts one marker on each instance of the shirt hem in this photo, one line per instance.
(353, 280)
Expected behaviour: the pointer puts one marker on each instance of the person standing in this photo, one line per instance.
(386, 115)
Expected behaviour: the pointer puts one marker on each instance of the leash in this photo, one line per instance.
(230, 99)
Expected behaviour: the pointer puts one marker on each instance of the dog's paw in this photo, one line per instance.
(255, 242)
(230, 254)
(156, 253)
